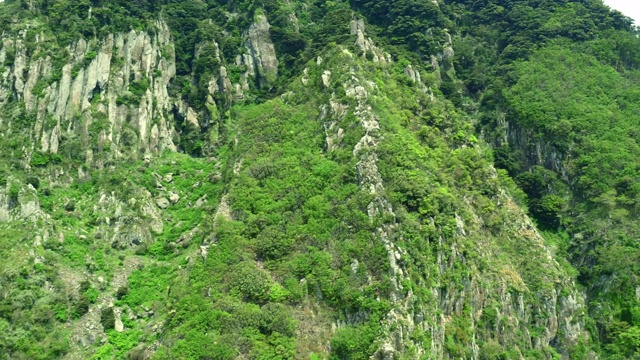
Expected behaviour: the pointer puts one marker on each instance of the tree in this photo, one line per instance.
(273, 245)
(548, 210)
(108, 318)
(250, 282)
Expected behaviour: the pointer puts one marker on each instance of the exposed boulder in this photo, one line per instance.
(162, 203)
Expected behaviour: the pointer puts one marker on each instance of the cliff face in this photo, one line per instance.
(475, 274)
(93, 90)
(347, 211)
(100, 103)
(113, 93)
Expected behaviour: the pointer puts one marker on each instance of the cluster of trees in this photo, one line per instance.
(564, 75)
(589, 112)
(414, 23)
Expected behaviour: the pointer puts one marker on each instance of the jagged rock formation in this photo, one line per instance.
(112, 95)
(501, 291)
(366, 45)
(280, 182)
(261, 60)
(90, 97)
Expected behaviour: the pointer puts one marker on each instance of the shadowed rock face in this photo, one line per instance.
(262, 51)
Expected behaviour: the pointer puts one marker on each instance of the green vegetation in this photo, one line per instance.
(565, 78)
(40, 159)
(587, 112)
(321, 218)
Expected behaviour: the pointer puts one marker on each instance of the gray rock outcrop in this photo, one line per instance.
(262, 60)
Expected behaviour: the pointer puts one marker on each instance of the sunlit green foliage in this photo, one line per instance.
(561, 74)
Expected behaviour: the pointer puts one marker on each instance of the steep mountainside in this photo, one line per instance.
(280, 179)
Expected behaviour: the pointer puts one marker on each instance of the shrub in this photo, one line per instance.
(273, 245)
(548, 210)
(40, 159)
(122, 292)
(14, 193)
(91, 294)
(491, 350)
(250, 282)
(108, 318)
(351, 343)
(80, 307)
(277, 318)
(504, 159)
(139, 88)
(90, 55)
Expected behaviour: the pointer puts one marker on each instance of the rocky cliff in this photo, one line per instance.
(303, 185)
(113, 93)
(491, 305)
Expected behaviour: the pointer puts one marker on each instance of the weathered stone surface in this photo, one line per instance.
(119, 326)
(412, 74)
(262, 60)
(326, 78)
(192, 118)
(141, 57)
(366, 45)
(162, 203)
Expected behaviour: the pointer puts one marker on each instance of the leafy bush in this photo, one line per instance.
(548, 210)
(273, 245)
(146, 286)
(250, 282)
(353, 343)
(277, 318)
(108, 318)
(80, 307)
(39, 159)
(139, 88)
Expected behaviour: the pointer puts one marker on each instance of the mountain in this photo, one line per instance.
(300, 179)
